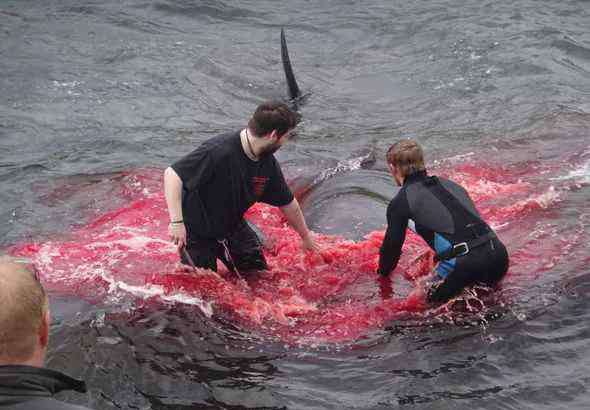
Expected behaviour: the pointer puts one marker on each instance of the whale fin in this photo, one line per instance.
(292, 86)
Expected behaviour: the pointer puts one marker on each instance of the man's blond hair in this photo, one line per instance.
(406, 155)
(23, 306)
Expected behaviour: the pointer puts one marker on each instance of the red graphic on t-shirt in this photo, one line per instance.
(259, 185)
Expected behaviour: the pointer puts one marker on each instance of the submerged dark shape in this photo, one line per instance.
(293, 88)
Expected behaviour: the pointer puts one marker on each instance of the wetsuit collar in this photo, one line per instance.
(17, 380)
(415, 177)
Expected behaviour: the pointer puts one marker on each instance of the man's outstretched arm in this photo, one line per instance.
(292, 212)
(391, 250)
(397, 223)
(173, 194)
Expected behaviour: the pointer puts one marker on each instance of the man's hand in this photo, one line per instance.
(177, 233)
(309, 244)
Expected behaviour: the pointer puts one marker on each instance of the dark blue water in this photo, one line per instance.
(92, 89)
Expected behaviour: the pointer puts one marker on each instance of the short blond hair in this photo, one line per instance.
(407, 156)
(23, 306)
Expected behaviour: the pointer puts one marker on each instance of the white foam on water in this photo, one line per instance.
(137, 243)
(548, 198)
(580, 174)
(73, 274)
(150, 291)
(351, 164)
(454, 158)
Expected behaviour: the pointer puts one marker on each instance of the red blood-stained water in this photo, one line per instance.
(333, 296)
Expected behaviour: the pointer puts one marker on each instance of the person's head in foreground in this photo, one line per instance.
(24, 315)
(24, 336)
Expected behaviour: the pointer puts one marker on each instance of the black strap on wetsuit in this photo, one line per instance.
(469, 234)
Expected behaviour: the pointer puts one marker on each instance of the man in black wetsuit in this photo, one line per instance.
(442, 213)
(209, 190)
(24, 335)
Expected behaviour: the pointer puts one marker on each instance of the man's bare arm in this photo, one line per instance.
(173, 195)
(294, 216)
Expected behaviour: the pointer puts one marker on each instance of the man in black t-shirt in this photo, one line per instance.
(209, 190)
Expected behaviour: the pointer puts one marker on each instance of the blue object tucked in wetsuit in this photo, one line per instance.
(443, 214)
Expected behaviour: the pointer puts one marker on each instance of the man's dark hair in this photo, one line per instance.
(272, 115)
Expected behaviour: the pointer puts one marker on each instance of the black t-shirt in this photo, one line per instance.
(220, 183)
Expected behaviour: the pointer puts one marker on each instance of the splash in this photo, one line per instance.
(333, 296)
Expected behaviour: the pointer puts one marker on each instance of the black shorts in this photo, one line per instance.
(243, 245)
(485, 265)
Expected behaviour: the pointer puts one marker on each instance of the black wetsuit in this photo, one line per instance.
(32, 388)
(444, 215)
(220, 183)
